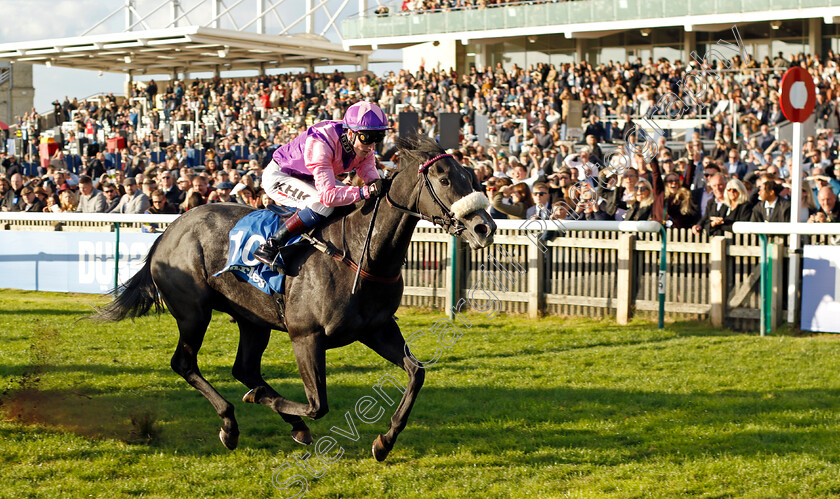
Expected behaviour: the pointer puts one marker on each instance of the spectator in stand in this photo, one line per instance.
(222, 193)
(8, 200)
(53, 205)
(91, 199)
(721, 150)
(41, 194)
(96, 167)
(823, 111)
(112, 196)
(596, 129)
(11, 166)
(16, 183)
(160, 205)
(658, 192)
(184, 183)
(265, 200)
(821, 180)
(173, 194)
(771, 207)
(701, 193)
(542, 139)
(29, 201)
(829, 207)
(681, 211)
(199, 185)
(581, 163)
(246, 196)
(138, 166)
(68, 200)
(589, 208)
(149, 185)
(520, 201)
(595, 151)
(735, 167)
(641, 208)
(738, 201)
(766, 139)
(133, 201)
(716, 210)
(193, 200)
(541, 208)
(560, 184)
(491, 186)
(807, 203)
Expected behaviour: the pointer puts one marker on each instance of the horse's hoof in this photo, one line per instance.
(379, 450)
(303, 437)
(229, 440)
(252, 396)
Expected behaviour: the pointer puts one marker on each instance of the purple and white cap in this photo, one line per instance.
(365, 115)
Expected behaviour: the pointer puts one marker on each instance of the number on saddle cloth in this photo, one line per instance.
(245, 237)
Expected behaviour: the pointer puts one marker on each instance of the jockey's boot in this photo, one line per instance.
(293, 226)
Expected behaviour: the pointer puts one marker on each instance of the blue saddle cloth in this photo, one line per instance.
(245, 237)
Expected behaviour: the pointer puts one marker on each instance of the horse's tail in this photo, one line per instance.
(134, 298)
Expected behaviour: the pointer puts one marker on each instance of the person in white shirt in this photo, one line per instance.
(586, 169)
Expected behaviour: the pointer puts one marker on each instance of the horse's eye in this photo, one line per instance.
(444, 181)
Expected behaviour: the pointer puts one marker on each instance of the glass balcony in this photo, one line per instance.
(553, 14)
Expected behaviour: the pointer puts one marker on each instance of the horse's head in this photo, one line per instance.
(437, 188)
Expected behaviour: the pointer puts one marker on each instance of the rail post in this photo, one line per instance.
(663, 274)
(117, 258)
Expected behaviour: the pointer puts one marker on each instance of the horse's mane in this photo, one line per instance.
(418, 146)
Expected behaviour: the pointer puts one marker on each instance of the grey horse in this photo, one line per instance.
(320, 311)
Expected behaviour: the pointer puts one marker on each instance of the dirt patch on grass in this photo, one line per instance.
(69, 410)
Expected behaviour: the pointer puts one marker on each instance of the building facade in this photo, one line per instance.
(16, 91)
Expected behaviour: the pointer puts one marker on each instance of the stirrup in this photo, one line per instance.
(262, 255)
(277, 264)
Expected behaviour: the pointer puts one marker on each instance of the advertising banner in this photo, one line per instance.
(77, 262)
(821, 288)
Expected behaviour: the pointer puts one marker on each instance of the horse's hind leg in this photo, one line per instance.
(184, 362)
(311, 361)
(391, 345)
(253, 341)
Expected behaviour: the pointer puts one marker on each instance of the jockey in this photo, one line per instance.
(302, 174)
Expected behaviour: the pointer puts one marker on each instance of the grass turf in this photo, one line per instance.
(515, 408)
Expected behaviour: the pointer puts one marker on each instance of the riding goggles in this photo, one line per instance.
(368, 137)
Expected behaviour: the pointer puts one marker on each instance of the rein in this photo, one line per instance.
(448, 221)
(342, 257)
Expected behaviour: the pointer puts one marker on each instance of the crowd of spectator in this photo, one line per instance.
(528, 163)
(413, 6)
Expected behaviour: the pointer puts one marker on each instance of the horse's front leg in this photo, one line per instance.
(390, 344)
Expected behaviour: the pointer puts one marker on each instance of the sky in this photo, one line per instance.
(24, 21)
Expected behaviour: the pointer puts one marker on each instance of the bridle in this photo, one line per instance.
(447, 221)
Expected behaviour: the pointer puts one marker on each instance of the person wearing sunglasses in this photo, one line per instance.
(302, 174)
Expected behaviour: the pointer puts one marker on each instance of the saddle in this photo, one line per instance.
(257, 226)
(308, 239)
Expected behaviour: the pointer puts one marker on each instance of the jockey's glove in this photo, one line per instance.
(375, 189)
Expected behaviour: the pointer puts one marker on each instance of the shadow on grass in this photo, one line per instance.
(43, 312)
(527, 426)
